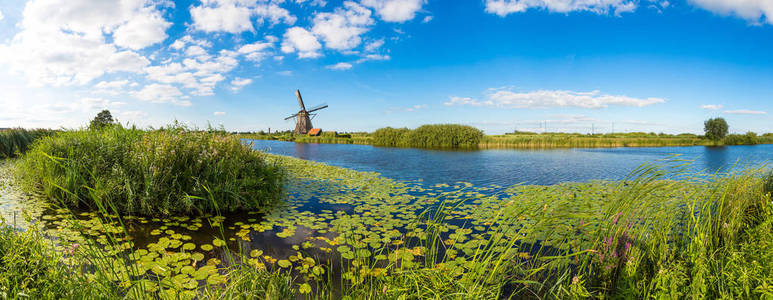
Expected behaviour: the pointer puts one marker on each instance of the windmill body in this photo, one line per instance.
(303, 117)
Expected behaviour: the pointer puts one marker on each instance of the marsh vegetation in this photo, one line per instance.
(175, 213)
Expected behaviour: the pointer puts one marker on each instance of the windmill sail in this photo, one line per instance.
(302, 120)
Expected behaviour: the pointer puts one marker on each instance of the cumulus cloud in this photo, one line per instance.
(342, 28)
(65, 43)
(755, 11)
(551, 98)
(161, 93)
(238, 83)
(1, 15)
(235, 16)
(300, 40)
(226, 16)
(219, 113)
(256, 51)
(505, 7)
(712, 106)
(395, 10)
(340, 66)
(745, 112)
(427, 19)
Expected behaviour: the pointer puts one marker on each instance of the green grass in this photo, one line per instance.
(17, 140)
(158, 172)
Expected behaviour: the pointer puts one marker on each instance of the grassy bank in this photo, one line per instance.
(160, 172)
(659, 233)
(400, 137)
(16, 141)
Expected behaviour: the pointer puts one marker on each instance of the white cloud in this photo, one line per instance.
(132, 115)
(755, 11)
(145, 29)
(395, 10)
(235, 16)
(745, 112)
(302, 41)
(1, 15)
(341, 29)
(505, 7)
(65, 43)
(219, 113)
(238, 83)
(427, 19)
(227, 16)
(712, 106)
(340, 66)
(195, 50)
(285, 73)
(275, 14)
(161, 93)
(256, 51)
(374, 45)
(546, 98)
(407, 109)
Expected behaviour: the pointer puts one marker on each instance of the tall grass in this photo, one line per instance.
(17, 140)
(158, 172)
(429, 136)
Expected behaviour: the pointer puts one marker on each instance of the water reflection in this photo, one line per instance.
(716, 158)
(507, 167)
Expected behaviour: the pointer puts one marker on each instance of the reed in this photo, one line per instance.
(156, 172)
(17, 140)
(429, 136)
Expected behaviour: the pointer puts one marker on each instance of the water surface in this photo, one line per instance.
(507, 167)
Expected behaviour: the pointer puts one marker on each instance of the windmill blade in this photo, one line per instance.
(318, 107)
(300, 99)
(290, 117)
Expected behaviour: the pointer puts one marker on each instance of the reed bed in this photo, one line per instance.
(401, 137)
(659, 233)
(429, 136)
(17, 140)
(159, 172)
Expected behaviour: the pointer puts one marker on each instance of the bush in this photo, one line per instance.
(151, 172)
(715, 129)
(768, 183)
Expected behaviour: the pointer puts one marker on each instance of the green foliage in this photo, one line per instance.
(768, 183)
(30, 269)
(391, 137)
(715, 129)
(17, 141)
(750, 138)
(103, 118)
(429, 136)
(159, 172)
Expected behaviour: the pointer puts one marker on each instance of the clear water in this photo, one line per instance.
(507, 167)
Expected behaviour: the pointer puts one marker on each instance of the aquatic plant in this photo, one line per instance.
(156, 172)
(17, 140)
(659, 233)
(429, 136)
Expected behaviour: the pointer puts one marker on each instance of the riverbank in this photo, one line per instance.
(545, 140)
(358, 234)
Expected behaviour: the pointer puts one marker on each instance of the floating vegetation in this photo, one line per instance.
(341, 232)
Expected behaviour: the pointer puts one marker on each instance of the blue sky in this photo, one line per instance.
(499, 65)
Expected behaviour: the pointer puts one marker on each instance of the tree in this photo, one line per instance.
(103, 118)
(715, 128)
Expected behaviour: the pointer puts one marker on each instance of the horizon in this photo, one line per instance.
(499, 65)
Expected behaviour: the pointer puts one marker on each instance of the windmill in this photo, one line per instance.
(303, 117)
